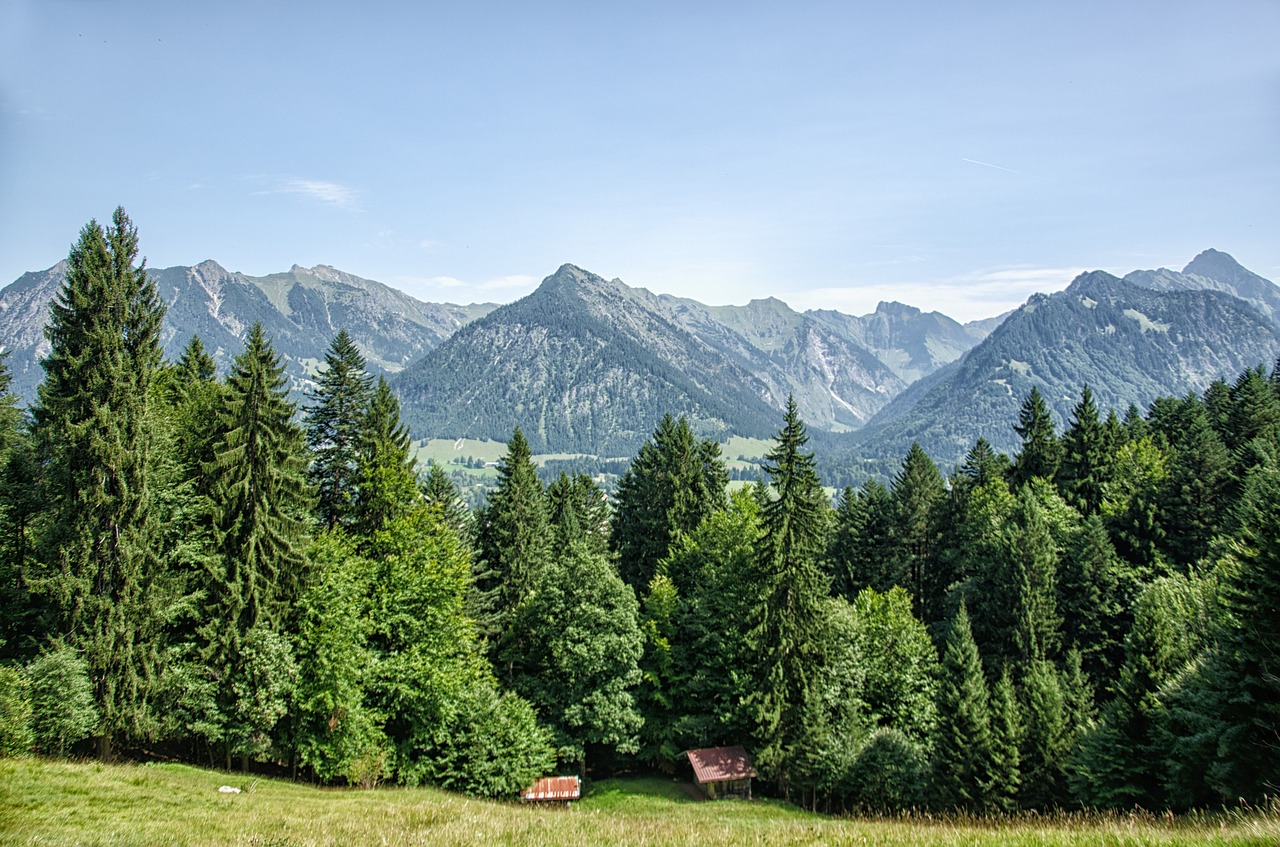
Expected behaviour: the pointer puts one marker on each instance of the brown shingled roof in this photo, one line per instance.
(554, 788)
(720, 764)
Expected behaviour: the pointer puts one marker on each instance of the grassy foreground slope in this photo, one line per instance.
(91, 804)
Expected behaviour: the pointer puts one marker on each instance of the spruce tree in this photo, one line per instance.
(259, 492)
(860, 554)
(785, 626)
(579, 510)
(438, 491)
(675, 481)
(1041, 451)
(93, 431)
(334, 423)
(259, 504)
(1086, 457)
(919, 493)
(963, 762)
(513, 539)
(1007, 732)
(385, 481)
(1247, 655)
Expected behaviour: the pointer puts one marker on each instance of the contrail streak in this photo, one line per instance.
(989, 165)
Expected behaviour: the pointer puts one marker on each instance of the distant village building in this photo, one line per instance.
(722, 771)
(553, 789)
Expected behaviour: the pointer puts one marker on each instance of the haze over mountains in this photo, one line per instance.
(588, 365)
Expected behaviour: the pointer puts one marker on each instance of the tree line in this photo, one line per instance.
(191, 564)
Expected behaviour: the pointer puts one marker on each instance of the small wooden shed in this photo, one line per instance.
(723, 771)
(553, 789)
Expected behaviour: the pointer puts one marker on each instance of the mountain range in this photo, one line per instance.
(589, 365)
(301, 310)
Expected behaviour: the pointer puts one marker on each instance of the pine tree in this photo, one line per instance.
(1193, 498)
(1041, 451)
(785, 626)
(579, 511)
(513, 539)
(860, 554)
(94, 437)
(385, 483)
(1086, 457)
(675, 481)
(963, 764)
(259, 500)
(260, 494)
(918, 495)
(1047, 737)
(334, 424)
(1007, 732)
(438, 491)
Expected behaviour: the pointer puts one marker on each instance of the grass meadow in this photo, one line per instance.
(87, 803)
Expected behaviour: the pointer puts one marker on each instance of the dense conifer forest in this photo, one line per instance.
(193, 566)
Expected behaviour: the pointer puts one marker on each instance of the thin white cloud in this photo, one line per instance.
(318, 190)
(971, 296)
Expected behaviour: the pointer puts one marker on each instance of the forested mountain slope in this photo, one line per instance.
(1130, 344)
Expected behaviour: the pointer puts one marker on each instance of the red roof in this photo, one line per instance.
(721, 764)
(554, 788)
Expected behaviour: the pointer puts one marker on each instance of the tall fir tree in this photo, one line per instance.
(513, 540)
(963, 763)
(919, 493)
(334, 424)
(93, 431)
(579, 510)
(1041, 450)
(675, 481)
(785, 626)
(260, 504)
(438, 491)
(1086, 457)
(860, 554)
(386, 480)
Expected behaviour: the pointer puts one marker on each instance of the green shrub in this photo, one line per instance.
(62, 708)
(15, 712)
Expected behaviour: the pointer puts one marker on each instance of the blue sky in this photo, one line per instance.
(951, 156)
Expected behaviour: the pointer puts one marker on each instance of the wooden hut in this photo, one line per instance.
(553, 789)
(722, 771)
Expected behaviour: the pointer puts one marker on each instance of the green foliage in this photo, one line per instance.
(513, 539)
(386, 482)
(963, 744)
(334, 421)
(15, 712)
(338, 734)
(1007, 735)
(889, 774)
(63, 711)
(1087, 465)
(861, 552)
(438, 491)
(1041, 451)
(92, 427)
(918, 494)
(579, 510)
(898, 661)
(710, 569)
(486, 744)
(1046, 739)
(785, 623)
(674, 483)
(574, 645)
